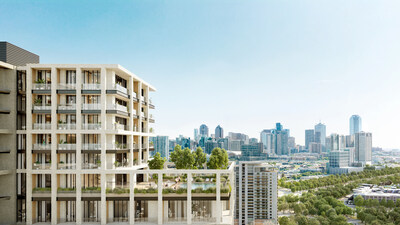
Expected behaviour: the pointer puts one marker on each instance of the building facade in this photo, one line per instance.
(256, 194)
(363, 148)
(204, 130)
(320, 135)
(161, 145)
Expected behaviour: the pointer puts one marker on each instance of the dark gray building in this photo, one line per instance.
(15, 55)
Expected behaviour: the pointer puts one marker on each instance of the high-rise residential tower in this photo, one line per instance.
(256, 194)
(363, 148)
(204, 130)
(219, 132)
(355, 124)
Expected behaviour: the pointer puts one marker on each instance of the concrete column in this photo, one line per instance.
(29, 146)
(160, 201)
(218, 201)
(132, 206)
(103, 203)
(54, 142)
(189, 198)
(78, 199)
(78, 154)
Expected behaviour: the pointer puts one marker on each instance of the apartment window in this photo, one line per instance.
(21, 161)
(91, 77)
(91, 211)
(21, 184)
(121, 211)
(70, 99)
(44, 75)
(120, 81)
(71, 76)
(90, 180)
(69, 212)
(21, 103)
(21, 80)
(21, 210)
(21, 142)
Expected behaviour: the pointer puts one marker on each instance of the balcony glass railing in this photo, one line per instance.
(91, 146)
(91, 86)
(66, 126)
(142, 114)
(71, 106)
(90, 166)
(118, 146)
(41, 126)
(41, 86)
(118, 126)
(134, 94)
(117, 107)
(41, 166)
(41, 147)
(66, 166)
(66, 86)
(66, 147)
(93, 106)
(91, 126)
(42, 107)
(121, 88)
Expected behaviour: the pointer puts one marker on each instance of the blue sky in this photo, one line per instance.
(242, 64)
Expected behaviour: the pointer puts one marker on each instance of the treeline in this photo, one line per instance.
(372, 211)
(335, 179)
(317, 207)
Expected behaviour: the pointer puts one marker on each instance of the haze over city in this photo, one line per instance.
(241, 65)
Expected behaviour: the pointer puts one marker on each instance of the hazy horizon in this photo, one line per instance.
(244, 65)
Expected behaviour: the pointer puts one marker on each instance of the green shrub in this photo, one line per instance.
(199, 179)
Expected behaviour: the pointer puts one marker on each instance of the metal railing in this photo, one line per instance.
(41, 147)
(91, 126)
(41, 86)
(66, 126)
(90, 166)
(91, 146)
(41, 126)
(66, 86)
(91, 86)
(90, 106)
(66, 147)
(71, 106)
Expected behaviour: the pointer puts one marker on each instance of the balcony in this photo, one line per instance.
(41, 147)
(119, 90)
(41, 126)
(66, 166)
(91, 108)
(41, 88)
(91, 166)
(41, 190)
(66, 86)
(91, 146)
(41, 108)
(117, 109)
(66, 146)
(91, 86)
(66, 126)
(118, 126)
(120, 188)
(41, 166)
(66, 108)
(151, 118)
(118, 146)
(91, 126)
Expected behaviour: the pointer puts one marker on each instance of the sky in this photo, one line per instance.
(244, 65)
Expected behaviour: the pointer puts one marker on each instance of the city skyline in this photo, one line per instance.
(322, 65)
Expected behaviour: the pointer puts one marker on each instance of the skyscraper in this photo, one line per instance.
(309, 137)
(219, 132)
(196, 135)
(363, 148)
(281, 137)
(204, 130)
(256, 194)
(320, 134)
(355, 124)
(266, 138)
(161, 145)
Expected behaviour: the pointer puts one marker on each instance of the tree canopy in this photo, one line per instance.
(182, 158)
(199, 158)
(157, 163)
(218, 159)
